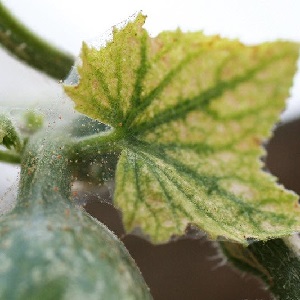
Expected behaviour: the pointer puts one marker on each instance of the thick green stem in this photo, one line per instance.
(8, 156)
(276, 262)
(45, 171)
(54, 249)
(26, 46)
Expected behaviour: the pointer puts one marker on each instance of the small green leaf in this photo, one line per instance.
(190, 112)
(9, 136)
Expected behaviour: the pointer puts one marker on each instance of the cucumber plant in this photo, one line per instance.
(177, 121)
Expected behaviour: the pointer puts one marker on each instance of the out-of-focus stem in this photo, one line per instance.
(26, 46)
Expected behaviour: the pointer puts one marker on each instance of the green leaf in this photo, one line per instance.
(9, 136)
(190, 112)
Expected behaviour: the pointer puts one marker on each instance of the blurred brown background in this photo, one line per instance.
(190, 267)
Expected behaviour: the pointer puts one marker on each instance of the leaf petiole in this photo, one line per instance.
(109, 141)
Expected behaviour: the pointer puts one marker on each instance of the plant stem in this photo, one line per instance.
(45, 172)
(48, 160)
(56, 250)
(276, 262)
(10, 157)
(29, 48)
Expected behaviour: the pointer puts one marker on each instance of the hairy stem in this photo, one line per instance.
(276, 262)
(26, 46)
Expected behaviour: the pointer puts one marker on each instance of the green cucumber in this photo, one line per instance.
(51, 249)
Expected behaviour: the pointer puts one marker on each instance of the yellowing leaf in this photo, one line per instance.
(190, 113)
